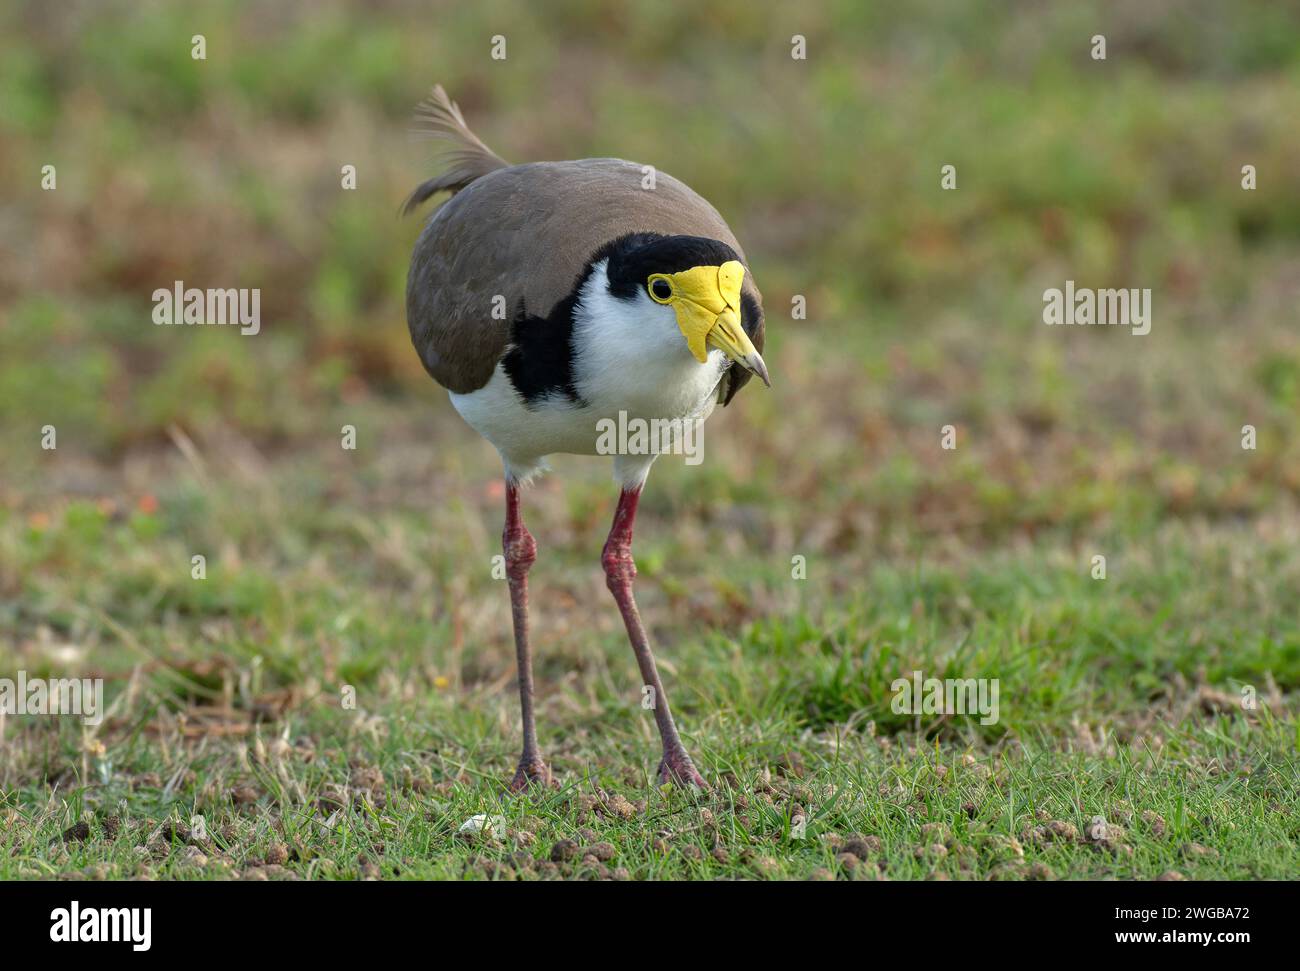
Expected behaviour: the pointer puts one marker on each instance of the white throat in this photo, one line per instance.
(631, 355)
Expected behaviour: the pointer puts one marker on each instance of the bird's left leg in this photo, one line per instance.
(520, 552)
(620, 571)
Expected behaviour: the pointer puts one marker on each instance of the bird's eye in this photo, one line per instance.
(660, 290)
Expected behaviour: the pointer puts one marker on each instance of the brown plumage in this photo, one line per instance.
(526, 232)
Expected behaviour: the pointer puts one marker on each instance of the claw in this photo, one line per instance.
(535, 772)
(678, 769)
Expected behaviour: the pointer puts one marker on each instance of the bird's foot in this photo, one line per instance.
(677, 768)
(532, 772)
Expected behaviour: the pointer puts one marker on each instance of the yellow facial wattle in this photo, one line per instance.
(706, 300)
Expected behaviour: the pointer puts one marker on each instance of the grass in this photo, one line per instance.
(1199, 810)
(1162, 699)
(1120, 698)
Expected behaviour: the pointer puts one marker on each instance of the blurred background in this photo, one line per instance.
(923, 309)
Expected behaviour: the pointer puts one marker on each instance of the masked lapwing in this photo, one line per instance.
(552, 299)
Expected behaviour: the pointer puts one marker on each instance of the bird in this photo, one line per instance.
(548, 298)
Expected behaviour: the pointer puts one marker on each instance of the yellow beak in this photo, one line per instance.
(707, 302)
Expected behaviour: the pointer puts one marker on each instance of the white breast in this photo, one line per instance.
(630, 357)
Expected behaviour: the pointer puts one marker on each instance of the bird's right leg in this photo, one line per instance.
(620, 571)
(520, 552)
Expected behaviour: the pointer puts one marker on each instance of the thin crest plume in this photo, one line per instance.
(465, 157)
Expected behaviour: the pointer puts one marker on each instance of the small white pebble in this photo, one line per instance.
(483, 823)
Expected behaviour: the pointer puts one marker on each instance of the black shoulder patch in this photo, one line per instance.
(540, 360)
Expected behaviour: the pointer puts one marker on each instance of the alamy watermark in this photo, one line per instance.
(220, 307)
(949, 696)
(75, 924)
(79, 697)
(1115, 308)
(651, 436)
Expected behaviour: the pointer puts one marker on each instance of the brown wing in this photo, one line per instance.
(525, 233)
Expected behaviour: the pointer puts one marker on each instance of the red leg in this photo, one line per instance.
(520, 552)
(620, 571)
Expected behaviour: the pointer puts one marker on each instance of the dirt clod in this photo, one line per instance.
(602, 851)
(935, 831)
(173, 832)
(862, 846)
(76, 834)
(1054, 831)
(367, 777)
(1009, 844)
(564, 851)
(243, 795)
(1155, 823)
(278, 854)
(620, 807)
(194, 856)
